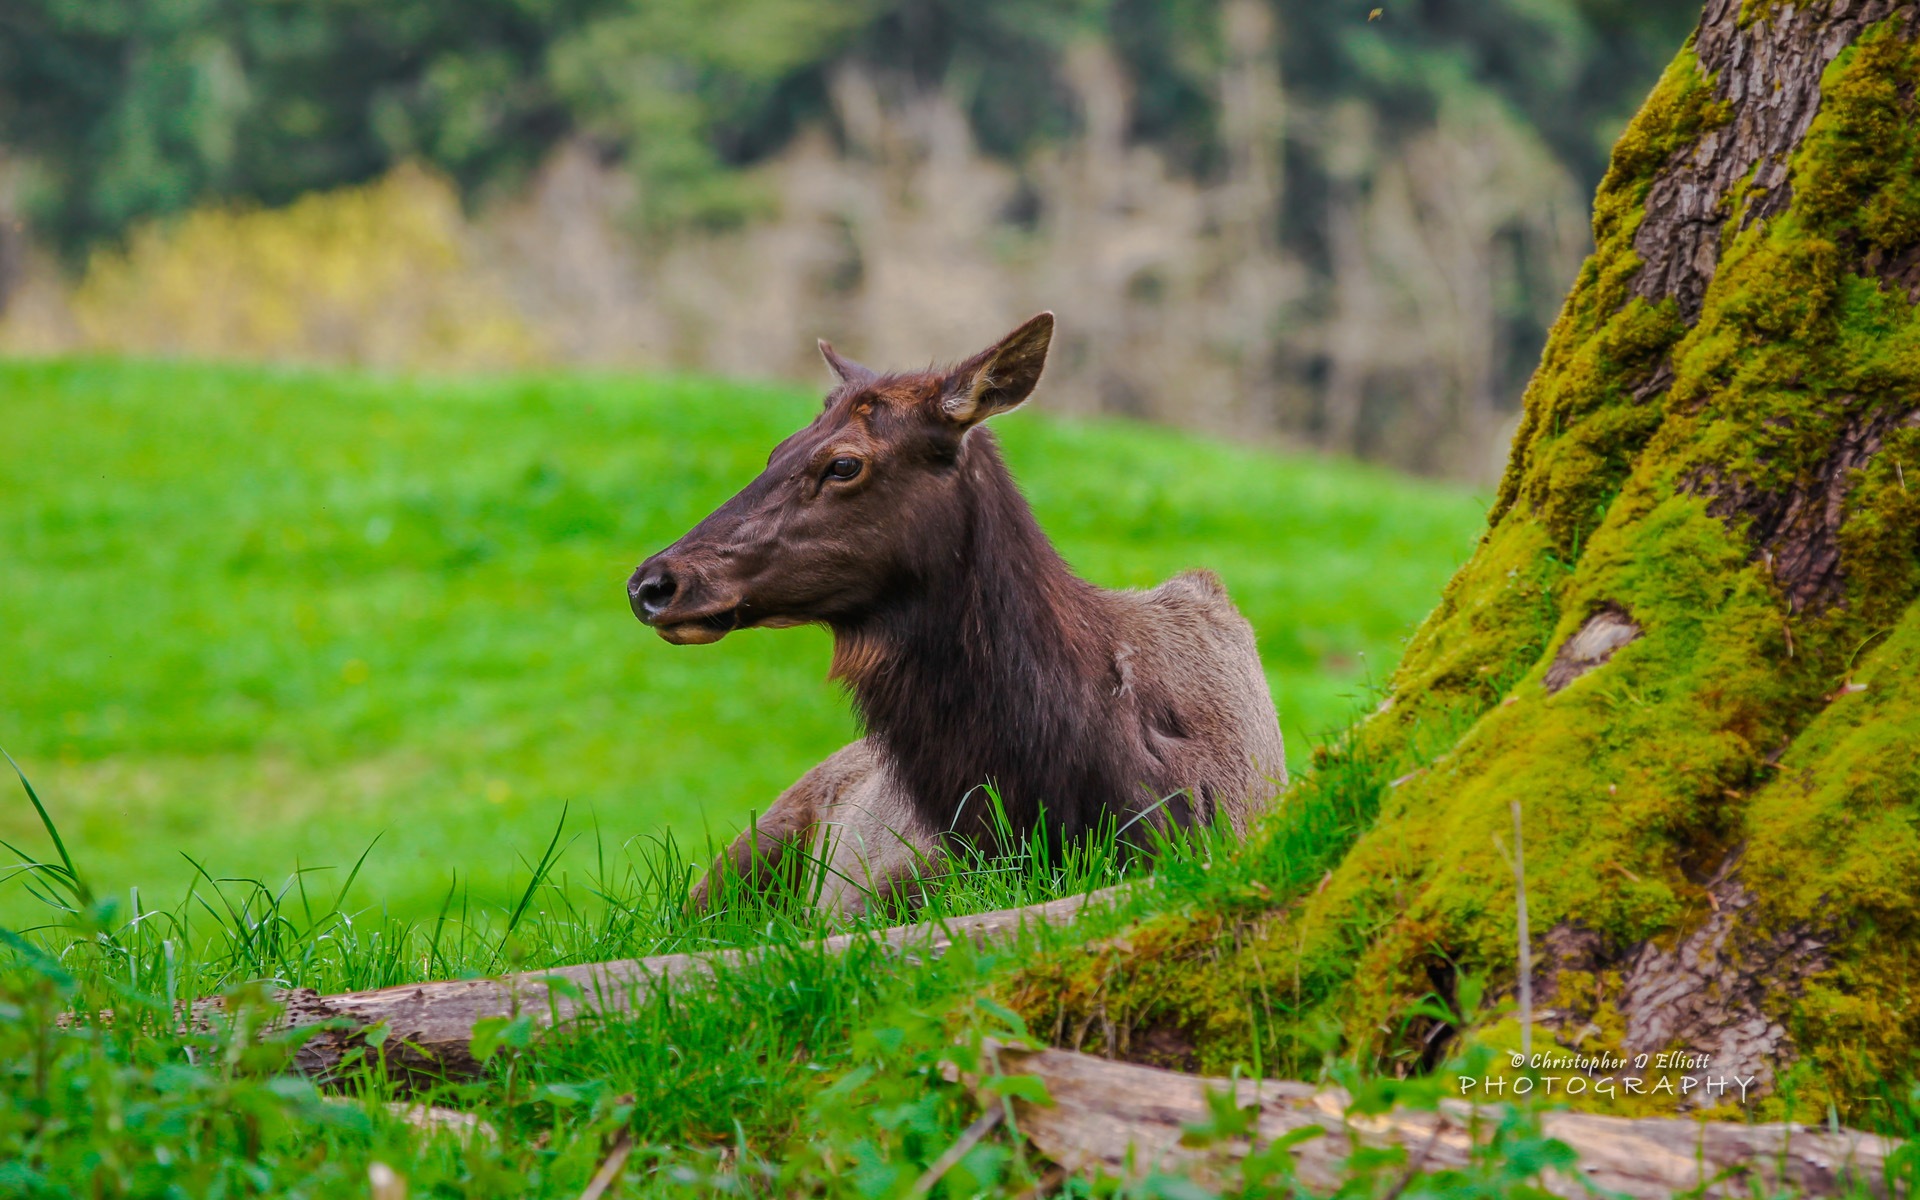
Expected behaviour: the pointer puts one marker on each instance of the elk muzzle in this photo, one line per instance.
(672, 600)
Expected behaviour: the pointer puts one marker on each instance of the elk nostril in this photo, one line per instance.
(653, 593)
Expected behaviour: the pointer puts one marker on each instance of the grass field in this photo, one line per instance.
(793, 1070)
(260, 617)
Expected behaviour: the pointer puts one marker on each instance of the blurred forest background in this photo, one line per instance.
(1343, 224)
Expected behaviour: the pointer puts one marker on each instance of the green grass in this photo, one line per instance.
(714, 1081)
(797, 1072)
(261, 616)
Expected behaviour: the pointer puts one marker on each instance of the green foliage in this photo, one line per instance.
(89, 1108)
(675, 82)
(134, 109)
(1576, 68)
(260, 617)
(130, 110)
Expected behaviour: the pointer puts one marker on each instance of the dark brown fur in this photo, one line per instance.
(973, 654)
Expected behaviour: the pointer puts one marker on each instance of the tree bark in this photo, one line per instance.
(1687, 644)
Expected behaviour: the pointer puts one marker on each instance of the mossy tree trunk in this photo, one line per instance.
(1688, 645)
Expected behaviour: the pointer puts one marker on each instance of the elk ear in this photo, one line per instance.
(999, 377)
(845, 370)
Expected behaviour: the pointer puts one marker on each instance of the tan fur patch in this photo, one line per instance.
(855, 658)
(907, 396)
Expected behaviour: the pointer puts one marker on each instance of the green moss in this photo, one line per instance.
(1638, 778)
(1834, 847)
(1496, 612)
(1880, 540)
(1591, 425)
(1614, 773)
(1859, 174)
(1585, 364)
(1578, 438)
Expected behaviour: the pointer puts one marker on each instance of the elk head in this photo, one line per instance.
(852, 512)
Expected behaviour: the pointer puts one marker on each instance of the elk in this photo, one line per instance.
(973, 654)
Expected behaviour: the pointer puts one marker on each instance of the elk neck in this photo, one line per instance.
(992, 663)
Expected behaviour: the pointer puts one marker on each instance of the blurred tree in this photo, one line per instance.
(132, 108)
(685, 89)
(1411, 165)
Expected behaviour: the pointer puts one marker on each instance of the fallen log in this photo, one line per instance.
(1114, 1116)
(429, 1026)
(1129, 1120)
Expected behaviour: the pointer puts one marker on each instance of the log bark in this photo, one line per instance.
(429, 1026)
(1129, 1120)
(1688, 643)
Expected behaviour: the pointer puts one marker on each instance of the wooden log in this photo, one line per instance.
(430, 1025)
(1128, 1120)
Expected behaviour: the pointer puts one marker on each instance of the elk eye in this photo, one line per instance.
(843, 468)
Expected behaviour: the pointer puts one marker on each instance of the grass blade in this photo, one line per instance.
(82, 893)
